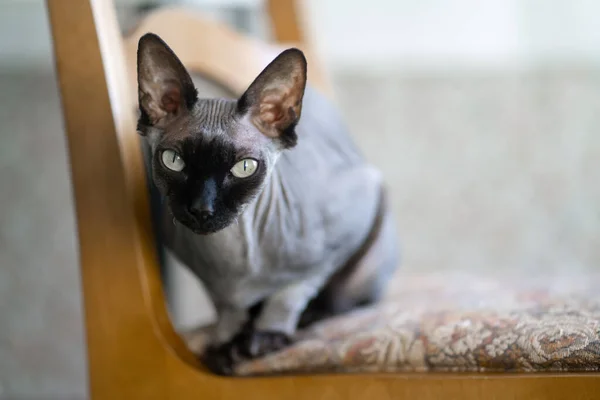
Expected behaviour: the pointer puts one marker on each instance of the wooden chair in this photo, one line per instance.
(133, 350)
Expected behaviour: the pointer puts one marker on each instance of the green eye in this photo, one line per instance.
(172, 160)
(244, 168)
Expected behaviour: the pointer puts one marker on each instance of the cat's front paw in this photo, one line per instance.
(219, 360)
(260, 343)
(222, 359)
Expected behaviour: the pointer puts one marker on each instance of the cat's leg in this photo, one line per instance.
(220, 355)
(231, 321)
(271, 329)
(277, 321)
(264, 327)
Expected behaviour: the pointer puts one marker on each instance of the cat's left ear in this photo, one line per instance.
(165, 89)
(274, 99)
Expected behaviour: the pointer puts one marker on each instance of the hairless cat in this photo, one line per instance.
(266, 199)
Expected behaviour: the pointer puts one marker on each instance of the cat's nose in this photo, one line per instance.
(205, 215)
(203, 212)
(202, 207)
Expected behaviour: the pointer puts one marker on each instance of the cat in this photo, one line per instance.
(280, 216)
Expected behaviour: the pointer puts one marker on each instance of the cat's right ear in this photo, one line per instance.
(274, 99)
(165, 89)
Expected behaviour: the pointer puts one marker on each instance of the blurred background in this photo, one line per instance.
(483, 116)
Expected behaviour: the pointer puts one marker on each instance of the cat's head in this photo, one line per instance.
(212, 157)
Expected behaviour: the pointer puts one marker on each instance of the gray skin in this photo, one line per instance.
(312, 237)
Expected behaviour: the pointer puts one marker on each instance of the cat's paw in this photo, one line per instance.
(219, 360)
(222, 359)
(260, 343)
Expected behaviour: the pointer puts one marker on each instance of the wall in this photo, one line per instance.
(440, 34)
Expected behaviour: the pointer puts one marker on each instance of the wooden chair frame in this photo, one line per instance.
(133, 351)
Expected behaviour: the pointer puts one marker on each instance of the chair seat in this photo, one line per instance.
(452, 322)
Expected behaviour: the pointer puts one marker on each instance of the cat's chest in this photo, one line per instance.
(248, 260)
(226, 255)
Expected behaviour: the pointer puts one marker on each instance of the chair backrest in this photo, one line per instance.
(129, 335)
(214, 50)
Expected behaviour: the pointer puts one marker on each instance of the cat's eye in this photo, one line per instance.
(172, 160)
(244, 168)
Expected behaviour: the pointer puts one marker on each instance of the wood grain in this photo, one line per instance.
(133, 351)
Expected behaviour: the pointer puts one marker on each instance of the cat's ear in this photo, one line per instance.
(274, 99)
(165, 89)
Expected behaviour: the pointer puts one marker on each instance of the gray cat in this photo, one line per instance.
(279, 216)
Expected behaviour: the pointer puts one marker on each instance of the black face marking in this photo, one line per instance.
(205, 196)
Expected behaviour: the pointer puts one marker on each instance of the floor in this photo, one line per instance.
(41, 340)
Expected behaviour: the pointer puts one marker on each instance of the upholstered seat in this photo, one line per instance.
(451, 321)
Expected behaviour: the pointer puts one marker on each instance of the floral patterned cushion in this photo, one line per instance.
(453, 322)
